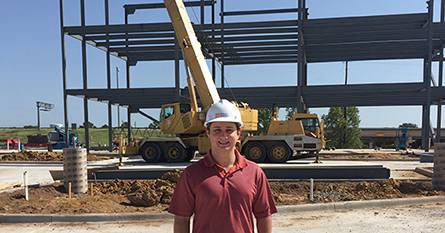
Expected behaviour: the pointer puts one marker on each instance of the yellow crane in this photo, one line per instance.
(284, 139)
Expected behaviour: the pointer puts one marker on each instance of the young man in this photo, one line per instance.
(223, 190)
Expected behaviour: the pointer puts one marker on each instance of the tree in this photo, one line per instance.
(341, 132)
(124, 124)
(408, 125)
(90, 125)
(104, 126)
(264, 117)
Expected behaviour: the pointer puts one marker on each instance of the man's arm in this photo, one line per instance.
(264, 225)
(182, 224)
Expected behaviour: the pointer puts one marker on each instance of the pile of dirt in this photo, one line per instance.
(377, 155)
(33, 156)
(297, 192)
(153, 196)
(144, 193)
(44, 156)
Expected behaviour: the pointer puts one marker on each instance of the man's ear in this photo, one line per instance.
(238, 131)
(208, 132)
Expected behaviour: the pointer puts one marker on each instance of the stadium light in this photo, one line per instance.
(42, 106)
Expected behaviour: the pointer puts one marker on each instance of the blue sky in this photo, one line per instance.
(30, 65)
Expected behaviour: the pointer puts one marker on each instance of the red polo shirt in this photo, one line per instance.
(223, 201)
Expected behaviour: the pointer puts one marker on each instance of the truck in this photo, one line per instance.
(57, 138)
(283, 139)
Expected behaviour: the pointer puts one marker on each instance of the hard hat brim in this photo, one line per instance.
(223, 119)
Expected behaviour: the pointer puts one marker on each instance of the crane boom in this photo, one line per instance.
(192, 54)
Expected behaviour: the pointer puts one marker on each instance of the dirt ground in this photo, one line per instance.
(44, 156)
(377, 155)
(154, 195)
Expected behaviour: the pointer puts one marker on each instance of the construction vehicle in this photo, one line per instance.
(284, 139)
(56, 138)
(186, 120)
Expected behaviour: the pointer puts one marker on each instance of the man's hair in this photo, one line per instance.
(238, 125)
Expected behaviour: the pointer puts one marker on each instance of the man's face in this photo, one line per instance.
(223, 135)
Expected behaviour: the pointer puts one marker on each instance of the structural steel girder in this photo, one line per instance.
(314, 96)
(298, 40)
(402, 36)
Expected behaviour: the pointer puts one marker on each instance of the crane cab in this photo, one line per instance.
(177, 118)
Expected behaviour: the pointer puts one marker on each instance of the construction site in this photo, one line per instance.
(67, 178)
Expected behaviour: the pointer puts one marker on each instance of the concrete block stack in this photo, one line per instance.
(75, 170)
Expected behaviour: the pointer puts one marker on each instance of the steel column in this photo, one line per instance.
(177, 70)
(427, 81)
(127, 64)
(202, 11)
(86, 123)
(440, 77)
(110, 120)
(304, 46)
(213, 39)
(301, 79)
(222, 43)
(345, 109)
(62, 45)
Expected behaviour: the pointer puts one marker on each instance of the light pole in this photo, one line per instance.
(41, 106)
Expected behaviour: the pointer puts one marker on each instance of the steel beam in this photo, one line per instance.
(131, 8)
(259, 12)
(399, 94)
(277, 173)
(164, 27)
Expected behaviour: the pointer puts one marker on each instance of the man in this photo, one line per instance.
(223, 190)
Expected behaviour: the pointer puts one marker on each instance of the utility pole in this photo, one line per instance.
(118, 107)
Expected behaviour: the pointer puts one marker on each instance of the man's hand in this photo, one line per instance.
(264, 225)
(181, 225)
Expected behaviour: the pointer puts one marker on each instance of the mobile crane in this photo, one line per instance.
(186, 121)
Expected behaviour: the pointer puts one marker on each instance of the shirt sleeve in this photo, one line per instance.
(263, 203)
(183, 200)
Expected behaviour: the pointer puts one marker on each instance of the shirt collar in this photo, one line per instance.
(210, 162)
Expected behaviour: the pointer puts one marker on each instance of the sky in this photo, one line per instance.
(31, 70)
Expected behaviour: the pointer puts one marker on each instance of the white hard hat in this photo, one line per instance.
(223, 111)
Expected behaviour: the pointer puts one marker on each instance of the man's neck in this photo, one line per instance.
(224, 158)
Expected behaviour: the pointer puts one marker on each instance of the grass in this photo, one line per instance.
(98, 136)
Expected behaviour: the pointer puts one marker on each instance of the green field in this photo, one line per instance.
(98, 136)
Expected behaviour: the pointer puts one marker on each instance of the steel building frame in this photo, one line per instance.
(300, 40)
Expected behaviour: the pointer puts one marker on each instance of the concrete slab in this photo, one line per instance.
(11, 173)
(13, 176)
